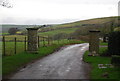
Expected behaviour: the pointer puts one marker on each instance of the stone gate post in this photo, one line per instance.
(32, 46)
(94, 42)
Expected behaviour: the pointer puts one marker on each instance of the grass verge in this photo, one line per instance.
(98, 73)
(103, 44)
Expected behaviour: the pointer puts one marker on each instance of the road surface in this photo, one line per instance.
(65, 64)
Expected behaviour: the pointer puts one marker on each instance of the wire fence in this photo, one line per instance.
(16, 45)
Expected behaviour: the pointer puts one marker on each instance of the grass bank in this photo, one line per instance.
(13, 63)
(103, 44)
(102, 73)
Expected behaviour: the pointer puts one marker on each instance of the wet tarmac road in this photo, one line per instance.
(65, 64)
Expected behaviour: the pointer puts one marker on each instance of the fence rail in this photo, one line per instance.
(15, 45)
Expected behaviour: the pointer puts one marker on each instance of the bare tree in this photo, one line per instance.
(5, 3)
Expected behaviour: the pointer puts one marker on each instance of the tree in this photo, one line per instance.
(114, 43)
(13, 31)
(5, 3)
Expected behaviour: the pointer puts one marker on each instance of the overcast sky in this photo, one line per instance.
(56, 11)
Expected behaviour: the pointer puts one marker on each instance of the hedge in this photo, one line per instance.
(115, 60)
(114, 43)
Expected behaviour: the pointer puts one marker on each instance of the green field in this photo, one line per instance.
(4, 33)
(10, 48)
(53, 32)
(12, 37)
(96, 73)
(45, 34)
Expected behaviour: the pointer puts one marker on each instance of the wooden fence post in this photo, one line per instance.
(51, 40)
(48, 40)
(38, 41)
(58, 41)
(43, 41)
(15, 45)
(4, 46)
(25, 44)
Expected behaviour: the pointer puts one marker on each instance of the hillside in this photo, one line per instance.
(101, 23)
(5, 27)
(98, 21)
